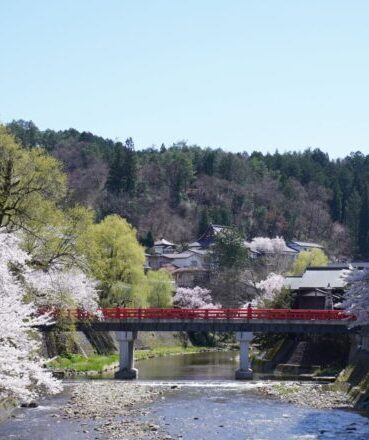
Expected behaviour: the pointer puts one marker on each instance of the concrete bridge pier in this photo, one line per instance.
(244, 372)
(126, 358)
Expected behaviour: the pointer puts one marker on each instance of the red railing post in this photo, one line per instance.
(229, 314)
(249, 311)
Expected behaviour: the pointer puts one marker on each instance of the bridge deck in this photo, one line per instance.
(216, 320)
(221, 325)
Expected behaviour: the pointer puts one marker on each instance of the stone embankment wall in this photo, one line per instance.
(354, 379)
(295, 355)
(91, 342)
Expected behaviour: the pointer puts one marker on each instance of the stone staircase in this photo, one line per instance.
(298, 362)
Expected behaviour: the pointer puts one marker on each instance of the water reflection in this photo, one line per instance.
(199, 366)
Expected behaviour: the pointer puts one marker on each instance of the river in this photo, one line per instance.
(205, 404)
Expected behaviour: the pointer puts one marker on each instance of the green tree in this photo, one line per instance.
(229, 251)
(363, 233)
(57, 241)
(352, 216)
(204, 221)
(180, 174)
(314, 257)
(228, 263)
(123, 168)
(147, 240)
(160, 287)
(117, 260)
(336, 202)
(31, 183)
(25, 132)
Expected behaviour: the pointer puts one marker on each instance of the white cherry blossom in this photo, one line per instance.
(194, 298)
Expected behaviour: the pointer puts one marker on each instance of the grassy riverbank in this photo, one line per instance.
(98, 363)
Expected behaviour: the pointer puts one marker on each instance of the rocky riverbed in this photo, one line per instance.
(118, 409)
(319, 396)
(188, 410)
(121, 409)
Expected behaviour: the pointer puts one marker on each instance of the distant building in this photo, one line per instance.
(318, 287)
(303, 246)
(191, 258)
(164, 247)
(191, 277)
(208, 237)
(285, 251)
(194, 245)
(184, 259)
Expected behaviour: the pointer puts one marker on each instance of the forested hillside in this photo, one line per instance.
(176, 191)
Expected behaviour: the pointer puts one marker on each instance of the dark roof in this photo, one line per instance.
(190, 269)
(178, 255)
(208, 236)
(355, 264)
(305, 244)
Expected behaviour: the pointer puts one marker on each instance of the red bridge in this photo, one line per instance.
(126, 322)
(216, 320)
(121, 313)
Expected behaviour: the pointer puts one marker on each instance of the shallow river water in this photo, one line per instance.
(205, 404)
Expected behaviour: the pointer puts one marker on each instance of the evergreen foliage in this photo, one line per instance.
(171, 191)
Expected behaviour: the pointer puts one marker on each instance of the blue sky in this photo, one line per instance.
(241, 75)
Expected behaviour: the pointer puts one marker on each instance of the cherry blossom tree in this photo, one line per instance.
(195, 298)
(271, 286)
(268, 245)
(273, 255)
(57, 288)
(21, 374)
(356, 298)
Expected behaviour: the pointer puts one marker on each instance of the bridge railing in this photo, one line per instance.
(205, 314)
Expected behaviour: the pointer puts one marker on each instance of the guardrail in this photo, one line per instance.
(203, 314)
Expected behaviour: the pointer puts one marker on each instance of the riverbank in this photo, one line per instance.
(320, 396)
(75, 364)
(133, 410)
(189, 397)
(108, 410)
(118, 409)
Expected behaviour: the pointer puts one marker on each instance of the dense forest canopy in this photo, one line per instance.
(176, 191)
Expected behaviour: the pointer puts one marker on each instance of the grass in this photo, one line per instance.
(81, 363)
(97, 363)
(329, 371)
(284, 390)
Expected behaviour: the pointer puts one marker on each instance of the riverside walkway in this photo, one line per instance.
(126, 322)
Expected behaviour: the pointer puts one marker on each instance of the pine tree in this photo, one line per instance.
(204, 221)
(363, 235)
(114, 181)
(129, 167)
(336, 202)
(123, 168)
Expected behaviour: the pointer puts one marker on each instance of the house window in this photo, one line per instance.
(193, 263)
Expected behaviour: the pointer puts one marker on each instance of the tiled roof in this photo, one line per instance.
(163, 242)
(317, 279)
(177, 256)
(306, 244)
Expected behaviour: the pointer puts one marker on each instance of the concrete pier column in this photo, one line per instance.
(126, 358)
(244, 372)
(364, 343)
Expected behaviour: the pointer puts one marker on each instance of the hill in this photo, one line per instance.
(176, 191)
